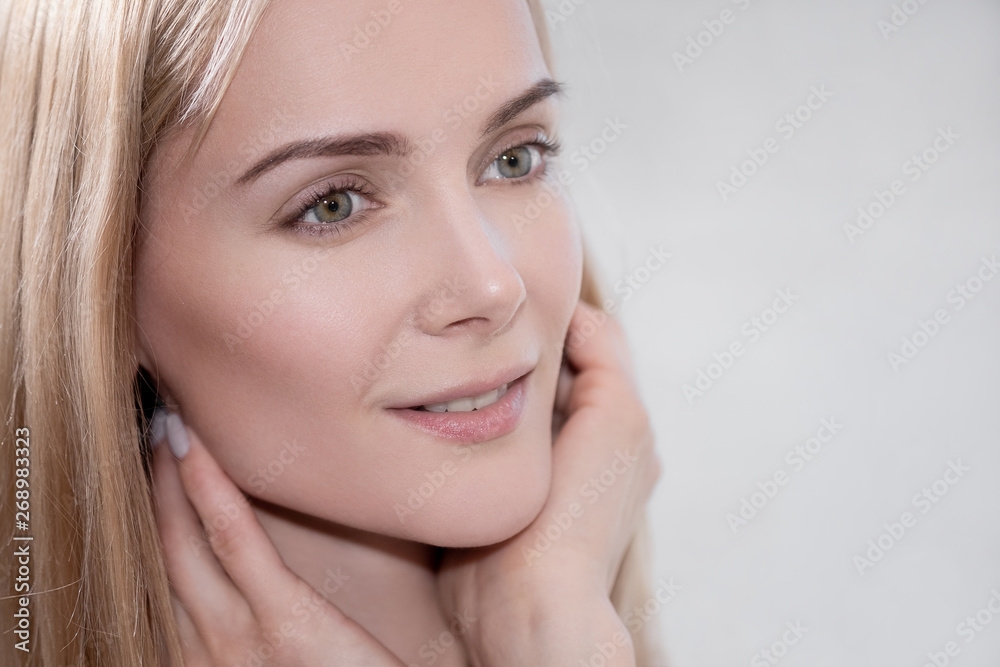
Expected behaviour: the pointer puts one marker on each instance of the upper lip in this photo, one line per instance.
(473, 388)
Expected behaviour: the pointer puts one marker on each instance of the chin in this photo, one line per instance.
(497, 500)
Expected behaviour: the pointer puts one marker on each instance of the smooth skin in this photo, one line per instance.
(548, 609)
(281, 527)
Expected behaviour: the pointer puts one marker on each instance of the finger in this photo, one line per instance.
(239, 542)
(564, 387)
(192, 645)
(201, 585)
(596, 340)
(596, 347)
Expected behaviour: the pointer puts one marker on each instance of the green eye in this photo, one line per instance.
(334, 207)
(514, 163)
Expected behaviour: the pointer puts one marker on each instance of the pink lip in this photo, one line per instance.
(493, 421)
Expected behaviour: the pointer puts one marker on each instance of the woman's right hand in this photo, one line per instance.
(235, 601)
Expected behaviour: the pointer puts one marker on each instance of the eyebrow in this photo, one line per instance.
(371, 143)
(390, 143)
(510, 110)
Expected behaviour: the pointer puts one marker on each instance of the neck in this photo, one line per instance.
(386, 585)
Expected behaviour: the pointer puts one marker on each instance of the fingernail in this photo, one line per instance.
(158, 425)
(177, 436)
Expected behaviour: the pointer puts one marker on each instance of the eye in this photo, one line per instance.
(333, 207)
(516, 162)
(520, 162)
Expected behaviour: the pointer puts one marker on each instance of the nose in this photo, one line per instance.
(473, 288)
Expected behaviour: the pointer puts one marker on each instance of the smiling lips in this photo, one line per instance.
(472, 419)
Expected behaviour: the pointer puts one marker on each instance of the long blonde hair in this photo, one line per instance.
(86, 90)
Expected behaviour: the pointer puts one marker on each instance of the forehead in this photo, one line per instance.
(370, 65)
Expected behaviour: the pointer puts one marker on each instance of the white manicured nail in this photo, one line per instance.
(158, 426)
(177, 436)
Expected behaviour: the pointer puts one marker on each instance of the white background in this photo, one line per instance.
(656, 184)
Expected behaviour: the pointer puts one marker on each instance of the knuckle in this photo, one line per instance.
(226, 540)
(221, 646)
(243, 629)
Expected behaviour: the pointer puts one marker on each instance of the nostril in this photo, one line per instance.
(465, 322)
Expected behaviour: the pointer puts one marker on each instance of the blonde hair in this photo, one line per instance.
(86, 91)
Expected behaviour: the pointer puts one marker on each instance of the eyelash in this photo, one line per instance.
(549, 148)
(313, 196)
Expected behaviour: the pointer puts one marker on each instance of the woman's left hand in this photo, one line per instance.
(542, 597)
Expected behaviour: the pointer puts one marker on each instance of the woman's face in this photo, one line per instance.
(346, 246)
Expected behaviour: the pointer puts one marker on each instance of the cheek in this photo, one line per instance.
(261, 363)
(552, 264)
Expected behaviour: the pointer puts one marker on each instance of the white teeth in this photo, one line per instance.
(486, 399)
(469, 404)
(461, 405)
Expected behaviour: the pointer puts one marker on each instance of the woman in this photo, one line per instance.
(331, 237)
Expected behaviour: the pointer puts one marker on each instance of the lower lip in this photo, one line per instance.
(494, 421)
